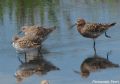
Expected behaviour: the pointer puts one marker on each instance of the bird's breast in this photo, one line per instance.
(88, 34)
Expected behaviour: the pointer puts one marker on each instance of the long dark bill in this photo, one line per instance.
(19, 32)
(73, 25)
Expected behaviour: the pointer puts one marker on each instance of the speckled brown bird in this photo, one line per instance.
(37, 65)
(25, 43)
(92, 30)
(93, 64)
(37, 31)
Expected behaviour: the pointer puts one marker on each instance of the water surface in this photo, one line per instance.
(65, 48)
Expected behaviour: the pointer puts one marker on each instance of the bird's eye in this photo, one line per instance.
(23, 28)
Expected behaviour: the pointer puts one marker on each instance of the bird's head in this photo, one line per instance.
(15, 38)
(27, 28)
(24, 28)
(85, 73)
(81, 22)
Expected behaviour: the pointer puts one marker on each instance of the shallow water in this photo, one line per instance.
(65, 48)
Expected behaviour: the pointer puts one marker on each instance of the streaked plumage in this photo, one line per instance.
(37, 32)
(25, 43)
(92, 30)
(93, 64)
(35, 66)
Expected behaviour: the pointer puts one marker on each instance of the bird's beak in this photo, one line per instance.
(19, 32)
(73, 25)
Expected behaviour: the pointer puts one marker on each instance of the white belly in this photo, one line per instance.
(21, 50)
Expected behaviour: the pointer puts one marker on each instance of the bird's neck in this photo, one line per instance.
(79, 28)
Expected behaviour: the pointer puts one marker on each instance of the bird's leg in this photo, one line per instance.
(107, 35)
(108, 54)
(20, 60)
(94, 46)
(25, 57)
(39, 51)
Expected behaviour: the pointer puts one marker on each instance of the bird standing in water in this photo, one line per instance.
(25, 44)
(92, 30)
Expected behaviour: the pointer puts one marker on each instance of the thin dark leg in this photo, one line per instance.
(25, 57)
(94, 47)
(108, 54)
(39, 50)
(107, 35)
(20, 60)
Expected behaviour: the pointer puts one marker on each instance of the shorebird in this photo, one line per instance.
(92, 30)
(95, 63)
(25, 43)
(37, 31)
(35, 65)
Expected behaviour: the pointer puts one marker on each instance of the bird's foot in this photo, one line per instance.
(107, 35)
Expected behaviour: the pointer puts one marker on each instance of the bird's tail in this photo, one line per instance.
(51, 29)
(112, 24)
(114, 65)
(47, 32)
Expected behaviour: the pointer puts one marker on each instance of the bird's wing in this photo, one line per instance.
(96, 27)
(29, 44)
(33, 45)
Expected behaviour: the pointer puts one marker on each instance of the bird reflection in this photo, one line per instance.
(37, 66)
(95, 63)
